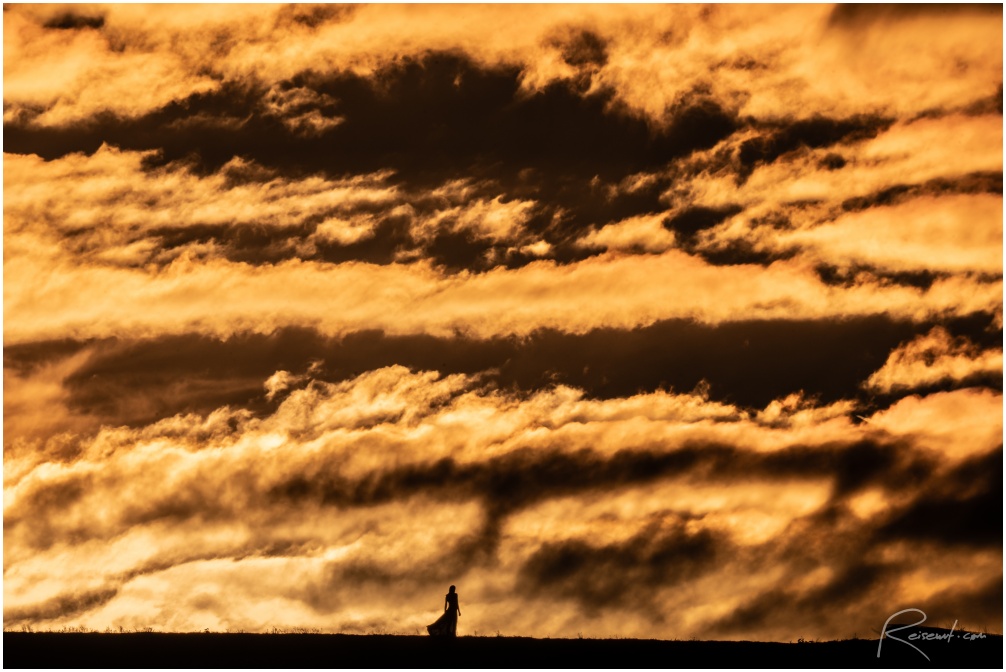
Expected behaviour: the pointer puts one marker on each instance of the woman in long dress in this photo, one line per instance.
(447, 624)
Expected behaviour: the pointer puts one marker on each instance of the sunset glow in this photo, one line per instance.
(660, 321)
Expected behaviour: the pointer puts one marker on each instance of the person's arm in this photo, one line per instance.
(447, 604)
(459, 607)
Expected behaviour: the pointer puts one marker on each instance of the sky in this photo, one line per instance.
(630, 321)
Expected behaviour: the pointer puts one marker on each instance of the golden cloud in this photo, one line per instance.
(222, 298)
(227, 521)
(934, 358)
(767, 62)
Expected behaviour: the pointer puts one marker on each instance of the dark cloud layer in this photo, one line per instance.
(849, 276)
(569, 208)
(963, 508)
(854, 13)
(812, 133)
(509, 484)
(970, 516)
(69, 605)
(70, 21)
(691, 221)
(752, 363)
(314, 15)
(503, 485)
(603, 576)
(461, 120)
(974, 183)
(854, 582)
(622, 575)
(560, 147)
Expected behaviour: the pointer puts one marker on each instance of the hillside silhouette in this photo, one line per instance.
(177, 650)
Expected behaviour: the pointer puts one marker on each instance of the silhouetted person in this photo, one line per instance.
(447, 624)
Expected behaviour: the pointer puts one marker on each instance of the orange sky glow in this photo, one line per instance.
(659, 321)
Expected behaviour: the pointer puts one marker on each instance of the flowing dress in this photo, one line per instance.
(447, 624)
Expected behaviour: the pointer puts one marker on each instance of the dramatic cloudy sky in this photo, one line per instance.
(650, 321)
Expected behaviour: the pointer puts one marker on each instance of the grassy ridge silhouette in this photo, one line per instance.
(303, 648)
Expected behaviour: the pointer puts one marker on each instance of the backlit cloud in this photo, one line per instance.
(932, 359)
(344, 480)
(223, 298)
(659, 321)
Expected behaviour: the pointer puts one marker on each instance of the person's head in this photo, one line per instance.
(451, 589)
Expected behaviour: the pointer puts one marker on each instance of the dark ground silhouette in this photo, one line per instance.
(211, 650)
